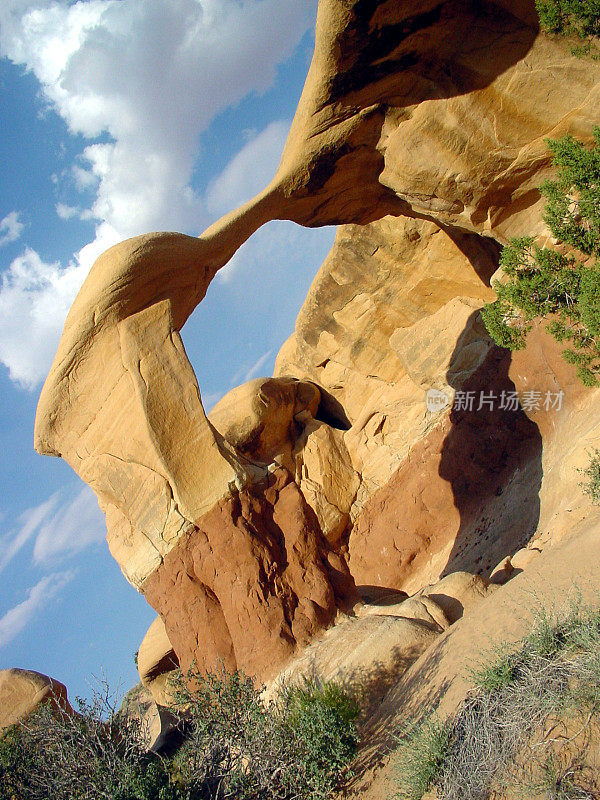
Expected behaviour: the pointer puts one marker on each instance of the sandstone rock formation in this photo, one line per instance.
(440, 679)
(23, 691)
(247, 531)
(157, 663)
(367, 655)
(155, 723)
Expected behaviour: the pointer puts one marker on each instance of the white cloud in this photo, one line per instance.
(30, 520)
(257, 366)
(152, 76)
(72, 528)
(11, 228)
(34, 300)
(67, 212)
(83, 178)
(17, 618)
(246, 374)
(61, 526)
(249, 171)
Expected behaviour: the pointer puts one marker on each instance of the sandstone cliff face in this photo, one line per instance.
(249, 530)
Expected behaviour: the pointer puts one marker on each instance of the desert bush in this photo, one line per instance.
(560, 285)
(526, 727)
(237, 746)
(591, 474)
(578, 18)
(421, 757)
(234, 746)
(96, 754)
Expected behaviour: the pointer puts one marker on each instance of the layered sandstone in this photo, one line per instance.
(248, 530)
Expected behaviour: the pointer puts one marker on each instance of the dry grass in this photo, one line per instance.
(528, 727)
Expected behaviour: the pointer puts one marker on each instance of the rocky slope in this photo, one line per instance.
(253, 530)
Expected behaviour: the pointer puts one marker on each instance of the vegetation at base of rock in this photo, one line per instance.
(561, 285)
(234, 746)
(580, 18)
(421, 757)
(296, 746)
(591, 474)
(97, 753)
(525, 729)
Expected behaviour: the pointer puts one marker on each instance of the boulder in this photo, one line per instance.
(23, 691)
(367, 655)
(156, 724)
(457, 593)
(502, 572)
(260, 418)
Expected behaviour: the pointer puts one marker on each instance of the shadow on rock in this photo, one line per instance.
(492, 458)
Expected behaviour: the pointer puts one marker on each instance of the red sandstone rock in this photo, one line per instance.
(251, 583)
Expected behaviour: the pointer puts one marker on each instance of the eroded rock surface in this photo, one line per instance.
(23, 691)
(155, 723)
(251, 582)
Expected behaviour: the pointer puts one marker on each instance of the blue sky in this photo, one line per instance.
(120, 117)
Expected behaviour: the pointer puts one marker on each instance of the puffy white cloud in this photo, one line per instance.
(152, 76)
(17, 618)
(249, 171)
(34, 300)
(11, 228)
(67, 212)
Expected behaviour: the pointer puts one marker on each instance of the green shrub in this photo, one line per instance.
(591, 473)
(562, 287)
(580, 18)
(295, 747)
(499, 671)
(96, 754)
(235, 746)
(421, 758)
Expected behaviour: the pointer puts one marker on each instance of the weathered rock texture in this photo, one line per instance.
(427, 146)
(157, 663)
(370, 652)
(157, 725)
(23, 691)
